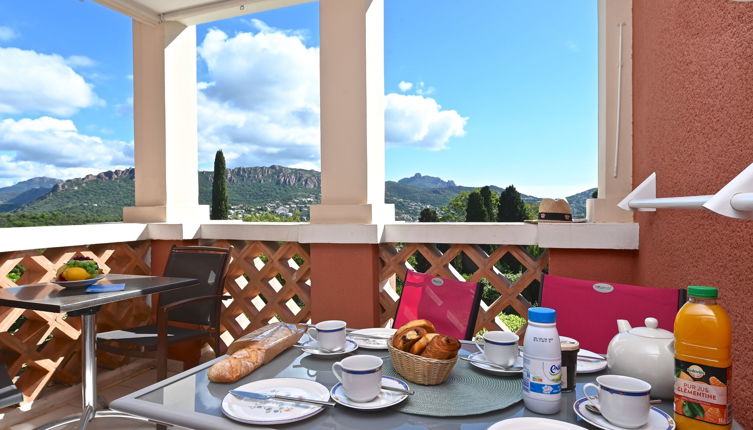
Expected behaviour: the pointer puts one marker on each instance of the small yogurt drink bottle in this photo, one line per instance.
(542, 359)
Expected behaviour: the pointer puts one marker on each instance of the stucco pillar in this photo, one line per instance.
(344, 278)
(615, 101)
(165, 125)
(352, 113)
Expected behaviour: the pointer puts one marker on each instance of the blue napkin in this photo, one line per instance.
(106, 288)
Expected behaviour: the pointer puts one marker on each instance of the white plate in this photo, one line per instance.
(252, 411)
(311, 347)
(385, 399)
(79, 284)
(588, 366)
(492, 369)
(657, 419)
(531, 423)
(373, 343)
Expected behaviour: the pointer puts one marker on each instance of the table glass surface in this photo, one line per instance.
(55, 298)
(190, 400)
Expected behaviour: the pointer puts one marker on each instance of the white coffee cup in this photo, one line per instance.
(501, 347)
(623, 401)
(361, 376)
(329, 334)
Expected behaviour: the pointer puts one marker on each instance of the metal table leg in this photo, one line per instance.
(89, 379)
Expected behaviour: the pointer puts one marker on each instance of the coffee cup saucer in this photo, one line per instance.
(385, 399)
(657, 419)
(477, 360)
(313, 348)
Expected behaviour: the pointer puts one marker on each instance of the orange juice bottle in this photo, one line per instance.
(703, 362)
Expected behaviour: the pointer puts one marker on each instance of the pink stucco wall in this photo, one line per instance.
(693, 126)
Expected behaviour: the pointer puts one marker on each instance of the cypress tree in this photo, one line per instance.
(475, 210)
(219, 188)
(511, 206)
(486, 195)
(428, 215)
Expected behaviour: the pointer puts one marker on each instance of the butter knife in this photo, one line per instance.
(260, 396)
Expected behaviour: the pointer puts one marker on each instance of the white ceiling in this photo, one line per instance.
(191, 12)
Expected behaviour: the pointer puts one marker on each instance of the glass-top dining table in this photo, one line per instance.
(190, 400)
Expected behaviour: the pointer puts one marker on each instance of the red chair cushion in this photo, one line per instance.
(590, 316)
(447, 303)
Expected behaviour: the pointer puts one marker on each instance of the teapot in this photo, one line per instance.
(645, 353)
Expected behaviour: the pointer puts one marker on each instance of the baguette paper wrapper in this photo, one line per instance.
(263, 338)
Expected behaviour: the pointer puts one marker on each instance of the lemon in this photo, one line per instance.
(75, 274)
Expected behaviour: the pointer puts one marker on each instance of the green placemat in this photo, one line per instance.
(467, 391)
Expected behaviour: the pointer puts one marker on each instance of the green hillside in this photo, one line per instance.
(251, 191)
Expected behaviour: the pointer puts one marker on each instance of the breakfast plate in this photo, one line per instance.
(269, 412)
(531, 423)
(385, 399)
(369, 342)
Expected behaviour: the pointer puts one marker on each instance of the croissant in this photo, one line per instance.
(425, 324)
(441, 348)
(419, 346)
(404, 339)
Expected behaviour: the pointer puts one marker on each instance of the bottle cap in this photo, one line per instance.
(542, 315)
(703, 292)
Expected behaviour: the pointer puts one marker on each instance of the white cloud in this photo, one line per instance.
(571, 46)
(262, 102)
(419, 122)
(34, 82)
(7, 33)
(79, 61)
(58, 145)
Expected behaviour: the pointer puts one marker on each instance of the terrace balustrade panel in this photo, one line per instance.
(42, 347)
(267, 280)
(396, 259)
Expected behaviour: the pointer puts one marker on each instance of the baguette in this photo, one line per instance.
(250, 352)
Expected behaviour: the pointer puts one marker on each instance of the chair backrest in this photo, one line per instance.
(588, 311)
(451, 305)
(208, 265)
(9, 394)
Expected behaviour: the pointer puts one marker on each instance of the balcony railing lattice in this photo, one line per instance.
(39, 347)
(396, 259)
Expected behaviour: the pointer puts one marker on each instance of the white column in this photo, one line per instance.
(615, 100)
(165, 125)
(352, 113)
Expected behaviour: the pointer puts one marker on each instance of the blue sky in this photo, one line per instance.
(478, 91)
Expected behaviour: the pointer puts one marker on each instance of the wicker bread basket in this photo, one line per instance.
(421, 370)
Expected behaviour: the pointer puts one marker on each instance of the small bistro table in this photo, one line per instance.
(50, 297)
(190, 400)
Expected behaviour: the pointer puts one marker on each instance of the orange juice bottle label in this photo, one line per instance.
(701, 392)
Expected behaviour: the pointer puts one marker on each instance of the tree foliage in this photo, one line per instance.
(428, 215)
(219, 188)
(511, 207)
(486, 195)
(475, 210)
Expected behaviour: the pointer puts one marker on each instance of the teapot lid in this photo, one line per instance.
(651, 330)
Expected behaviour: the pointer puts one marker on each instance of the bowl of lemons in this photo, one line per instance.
(78, 272)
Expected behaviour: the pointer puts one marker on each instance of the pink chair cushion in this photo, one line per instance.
(590, 316)
(447, 303)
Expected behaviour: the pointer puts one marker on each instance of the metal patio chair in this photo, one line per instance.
(186, 314)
